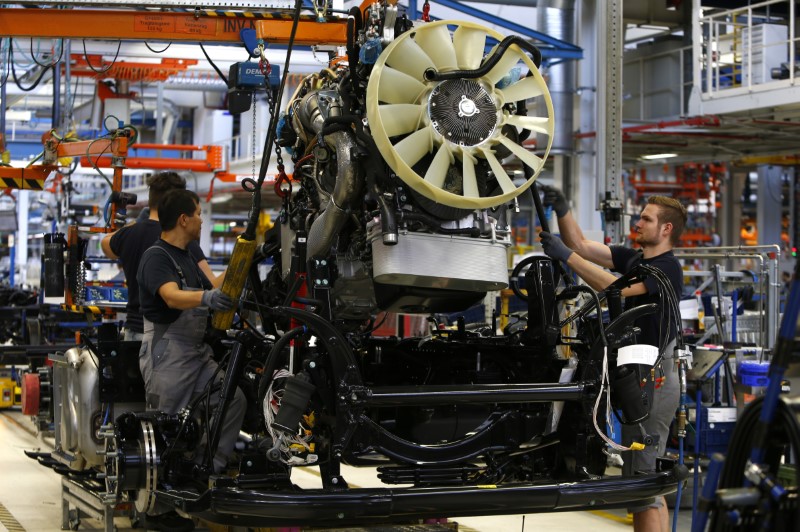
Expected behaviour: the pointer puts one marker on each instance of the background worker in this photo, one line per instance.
(129, 243)
(175, 297)
(657, 232)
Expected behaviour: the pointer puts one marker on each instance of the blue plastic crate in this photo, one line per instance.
(713, 439)
(97, 293)
(119, 294)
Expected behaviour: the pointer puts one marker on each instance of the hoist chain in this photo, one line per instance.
(283, 186)
(426, 11)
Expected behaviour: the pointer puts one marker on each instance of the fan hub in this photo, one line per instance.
(462, 111)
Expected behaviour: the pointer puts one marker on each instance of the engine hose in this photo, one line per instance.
(272, 359)
(432, 75)
(355, 22)
(596, 299)
(388, 219)
(433, 224)
(743, 438)
(514, 284)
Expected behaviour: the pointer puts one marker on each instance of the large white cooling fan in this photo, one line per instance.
(444, 128)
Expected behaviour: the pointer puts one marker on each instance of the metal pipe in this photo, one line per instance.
(557, 18)
(696, 121)
(479, 393)
(771, 248)
(768, 285)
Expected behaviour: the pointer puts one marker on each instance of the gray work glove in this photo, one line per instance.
(556, 199)
(554, 247)
(216, 299)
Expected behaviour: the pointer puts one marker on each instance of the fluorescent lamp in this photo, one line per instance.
(18, 116)
(659, 156)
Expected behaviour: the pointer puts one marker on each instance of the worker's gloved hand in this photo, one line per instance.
(556, 199)
(554, 247)
(216, 299)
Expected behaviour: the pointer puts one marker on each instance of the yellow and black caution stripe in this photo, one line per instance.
(22, 183)
(8, 520)
(273, 15)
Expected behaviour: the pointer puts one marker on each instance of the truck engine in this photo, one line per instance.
(408, 158)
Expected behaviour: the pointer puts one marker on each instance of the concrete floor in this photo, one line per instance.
(30, 495)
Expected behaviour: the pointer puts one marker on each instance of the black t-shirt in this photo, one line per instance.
(655, 329)
(129, 244)
(157, 269)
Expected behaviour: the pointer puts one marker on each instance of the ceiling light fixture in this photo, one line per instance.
(659, 156)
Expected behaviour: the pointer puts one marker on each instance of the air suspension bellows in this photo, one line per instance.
(295, 399)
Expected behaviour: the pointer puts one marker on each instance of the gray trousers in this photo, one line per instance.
(177, 367)
(666, 400)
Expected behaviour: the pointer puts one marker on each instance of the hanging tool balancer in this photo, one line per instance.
(243, 80)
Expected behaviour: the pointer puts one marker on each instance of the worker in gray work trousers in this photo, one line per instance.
(129, 243)
(175, 298)
(658, 231)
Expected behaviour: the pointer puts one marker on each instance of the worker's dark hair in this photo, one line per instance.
(670, 211)
(162, 183)
(173, 204)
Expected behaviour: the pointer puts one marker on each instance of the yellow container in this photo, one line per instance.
(7, 393)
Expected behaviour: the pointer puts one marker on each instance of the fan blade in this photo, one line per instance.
(530, 159)
(415, 146)
(437, 171)
(499, 172)
(522, 90)
(469, 181)
(436, 42)
(506, 63)
(397, 87)
(410, 59)
(469, 44)
(400, 118)
(533, 123)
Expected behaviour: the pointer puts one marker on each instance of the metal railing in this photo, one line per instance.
(728, 60)
(767, 287)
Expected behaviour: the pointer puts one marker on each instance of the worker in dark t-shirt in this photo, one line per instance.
(657, 232)
(129, 243)
(175, 298)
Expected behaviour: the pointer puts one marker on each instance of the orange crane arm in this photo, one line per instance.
(199, 25)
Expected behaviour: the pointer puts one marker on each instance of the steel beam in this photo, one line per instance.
(560, 49)
(204, 26)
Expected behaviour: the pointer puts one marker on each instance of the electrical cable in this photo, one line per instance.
(7, 53)
(158, 51)
(16, 79)
(272, 359)
(52, 63)
(213, 65)
(102, 70)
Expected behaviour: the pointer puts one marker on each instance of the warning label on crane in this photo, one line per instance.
(190, 25)
(196, 26)
(153, 24)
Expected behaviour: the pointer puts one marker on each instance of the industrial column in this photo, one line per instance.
(609, 115)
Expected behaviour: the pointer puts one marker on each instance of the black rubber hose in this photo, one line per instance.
(432, 75)
(434, 225)
(741, 442)
(596, 299)
(514, 280)
(272, 359)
